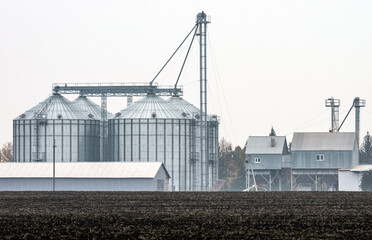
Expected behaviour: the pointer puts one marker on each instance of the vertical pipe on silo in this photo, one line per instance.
(139, 140)
(131, 140)
(62, 149)
(148, 141)
(70, 121)
(156, 140)
(125, 141)
(172, 153)
(30, 140)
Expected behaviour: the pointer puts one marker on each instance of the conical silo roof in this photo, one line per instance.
(152, 106)
(186, 107)
(55, 107)
(90, 107)
(183, 105)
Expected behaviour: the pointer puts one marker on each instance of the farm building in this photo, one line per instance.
(350, 179)
(317, 157)
(149, 130)
(315, 163)
(84, 176)
(92, 109)
(211, 165)
(152, 130)
(269, 158)
(174, 132)
(76, 133)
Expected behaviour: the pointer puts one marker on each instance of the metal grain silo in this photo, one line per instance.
(90, 107)
(212, 163)
(153, 130)
(75, 133)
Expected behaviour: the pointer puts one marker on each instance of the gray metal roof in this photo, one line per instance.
(82, 170)
(324, 141)
(90, 107)
(152, 106)
(362, 168)
(54, 107)
(262, 145)
(183, 105)
(186, 107)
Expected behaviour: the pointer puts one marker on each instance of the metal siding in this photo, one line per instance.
(332, 159)
(349, 181)
(268, 161)
(46, 184)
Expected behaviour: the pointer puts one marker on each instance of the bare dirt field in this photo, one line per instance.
(219, 215)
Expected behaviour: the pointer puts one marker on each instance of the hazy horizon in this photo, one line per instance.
(270, 63)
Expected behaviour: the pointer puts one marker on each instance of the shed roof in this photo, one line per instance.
(82, 170)
(262, 145)
(362, 168)
(323, 141)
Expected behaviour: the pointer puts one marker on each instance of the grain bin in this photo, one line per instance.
(212, 162)
(153, 130)
(94, 109)
(90, 107)
(75, 133)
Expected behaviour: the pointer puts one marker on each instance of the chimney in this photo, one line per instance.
(273, 143)
(129, 100)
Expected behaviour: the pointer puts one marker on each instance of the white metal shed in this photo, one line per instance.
(84, 176)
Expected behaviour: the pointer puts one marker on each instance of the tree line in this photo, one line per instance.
(6, 152)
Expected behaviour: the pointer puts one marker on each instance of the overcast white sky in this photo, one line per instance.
(270, 63)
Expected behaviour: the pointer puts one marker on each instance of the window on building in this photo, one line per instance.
(320, 157)
(257, 160)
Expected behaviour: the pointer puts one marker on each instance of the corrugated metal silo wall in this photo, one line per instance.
(154, 140)
(76, 140)
(212, 153)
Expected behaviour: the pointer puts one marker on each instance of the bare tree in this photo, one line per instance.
(6, 153)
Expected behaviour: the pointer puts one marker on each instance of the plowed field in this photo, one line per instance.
(229, 215)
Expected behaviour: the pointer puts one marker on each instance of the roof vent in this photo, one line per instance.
(117, 114)
(59, 116)
(273, 143)
(153, 115)
(90, 115)
(197, 116)
(184, 114)
(22, 115)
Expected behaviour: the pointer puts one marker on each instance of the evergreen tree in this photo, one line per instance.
(365, 153)
(272, 132)
(366, 181)
(238, 182)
